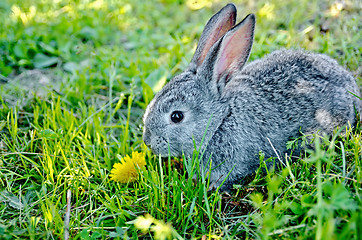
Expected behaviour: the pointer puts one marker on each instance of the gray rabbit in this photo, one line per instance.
(250, 108)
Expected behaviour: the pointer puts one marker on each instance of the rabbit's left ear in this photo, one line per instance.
(215, 29)
(234, 49)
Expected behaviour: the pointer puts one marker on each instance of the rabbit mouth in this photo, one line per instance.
(160, 146)
(165, 150)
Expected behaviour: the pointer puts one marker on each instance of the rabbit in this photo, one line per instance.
(240, 109)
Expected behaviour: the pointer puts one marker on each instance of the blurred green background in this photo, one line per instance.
(75, 78)
(152, 40)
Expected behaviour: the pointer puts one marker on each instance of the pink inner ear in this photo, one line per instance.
(235, 48)
(219, 31)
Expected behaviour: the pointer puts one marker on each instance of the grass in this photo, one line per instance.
(76, 77)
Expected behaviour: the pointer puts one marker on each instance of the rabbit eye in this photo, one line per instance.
(177, 116)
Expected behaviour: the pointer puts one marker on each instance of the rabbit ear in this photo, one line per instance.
(215, 29)
(234, 49)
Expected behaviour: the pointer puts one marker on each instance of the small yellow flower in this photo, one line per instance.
(162, 230)
(336, 9)
(144, 223)
(198, 4)
(127, 170)
(267, 11)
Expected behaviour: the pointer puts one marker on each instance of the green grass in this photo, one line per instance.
(75, 79)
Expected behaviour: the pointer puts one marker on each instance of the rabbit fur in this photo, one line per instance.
(251, 107)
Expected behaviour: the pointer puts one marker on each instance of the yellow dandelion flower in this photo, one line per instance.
(162, 230)
(143, 223)
(127, 170)
(336, 9)
(198, 4)
(267, 11)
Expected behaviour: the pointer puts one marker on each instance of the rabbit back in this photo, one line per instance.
(295, 86)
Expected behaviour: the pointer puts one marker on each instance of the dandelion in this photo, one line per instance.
(144, 223)
(267, 11)
(198, 4)
(336, 9)
(161, 230)
(127, 170)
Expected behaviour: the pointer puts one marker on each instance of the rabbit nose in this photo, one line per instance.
(147, 137)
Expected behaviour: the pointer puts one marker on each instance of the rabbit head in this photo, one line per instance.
(178, 116)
